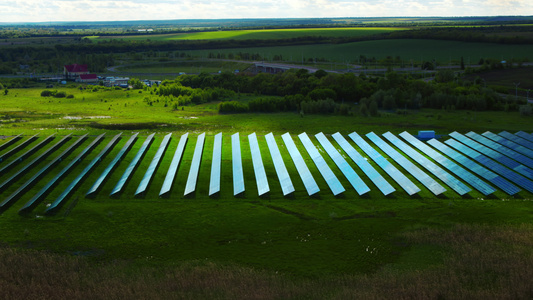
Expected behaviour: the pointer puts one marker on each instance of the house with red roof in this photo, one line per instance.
(75, 70)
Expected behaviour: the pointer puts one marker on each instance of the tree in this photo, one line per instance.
(462, 63)
(5, 92)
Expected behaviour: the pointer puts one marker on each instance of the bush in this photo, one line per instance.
(47, 93)
(70, 96)
(60, 94)
(232, 107)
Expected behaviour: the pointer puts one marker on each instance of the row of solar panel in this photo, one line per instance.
(510, 154)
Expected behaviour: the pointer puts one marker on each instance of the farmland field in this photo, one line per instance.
(416, 50)
(261, 34)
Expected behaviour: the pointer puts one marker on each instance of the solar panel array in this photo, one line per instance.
(509, 144)
(10, 142)
(516, 139)
(306, 176)
(410, 167)
(332, 180)
(491, 164)
(471, 179)
(236, 160)
(259, 168)
(281, 170)
(492, 177)
(503, 160)
(367, 168)
(216, 165)
(446, 177)
(525, 135)
(383, 163)
(502, 149)
(147, 178)
(354, 179)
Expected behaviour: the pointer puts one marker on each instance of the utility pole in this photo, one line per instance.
(516, 89)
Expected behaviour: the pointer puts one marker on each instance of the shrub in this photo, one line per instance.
(47, 93)
(60, 94)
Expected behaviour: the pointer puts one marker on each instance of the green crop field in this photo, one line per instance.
(265, 34)
(407, 50)
(301, 247)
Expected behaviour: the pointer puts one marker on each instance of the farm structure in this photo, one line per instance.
(460, 166)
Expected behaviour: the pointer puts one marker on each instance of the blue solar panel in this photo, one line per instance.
(420, 175)
(259, 168)
(236, 160)
(383, 163)
(192, 179)
(27, 154)
(216, 164)
(525, 135)
(148, 175)
(100, 180)
(332, 180)
(354, 179)
(502, 149)
(10, 142)
(509, 144)
(77, 181)
(174, 165)
(307, 179)
(474, 181)
(494, 178)
(37, 176)
(516, 139)
(493, 154)
(18, 148)
(446, 177)
(492, 165)
(131, 167)
(281, 170)
(367, 168)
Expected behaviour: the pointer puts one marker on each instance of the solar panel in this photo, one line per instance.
(494, 166)
(307, 179)
(516, 139)
(332, 180)
(100, 180)
(492, 177)
(216, 164)
(493, 154)
(446, 177)
(354, 179)
(420, 175)
(27, 154)
(525, 135)
(409, 187)
(509, 144)
(131, 167)
(474, 181)
(259, 169)
(70, 189)
(195, 165)
(367, 168)
(18, 148)
(236, 161)
(37, 176)
(10, 142)
(502, 149)
(173, 168)
(145, 181)
(281, 170)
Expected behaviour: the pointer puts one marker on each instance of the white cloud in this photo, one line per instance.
(103, 10)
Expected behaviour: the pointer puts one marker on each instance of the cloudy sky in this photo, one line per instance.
(106, 10)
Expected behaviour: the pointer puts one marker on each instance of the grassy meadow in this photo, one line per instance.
(228, 247)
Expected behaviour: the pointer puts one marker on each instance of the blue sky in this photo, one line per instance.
(117, 10)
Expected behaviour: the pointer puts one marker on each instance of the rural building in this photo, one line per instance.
(116, 81)
(75, 70)
(87, 78)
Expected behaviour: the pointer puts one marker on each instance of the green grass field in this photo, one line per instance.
(407, 50)
(300, 247)
(261, 34)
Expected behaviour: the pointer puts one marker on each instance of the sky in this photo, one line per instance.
(120, 10)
